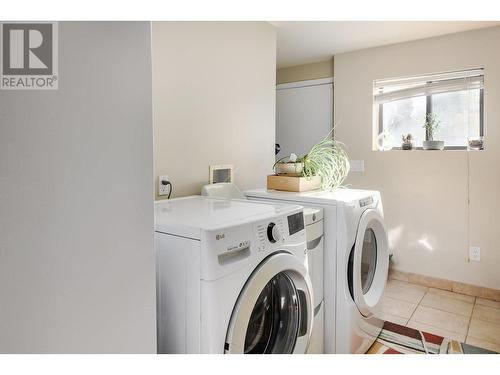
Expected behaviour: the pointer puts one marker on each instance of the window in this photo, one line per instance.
(455, 99)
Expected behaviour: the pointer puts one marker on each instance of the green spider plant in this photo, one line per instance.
(327, 159)
(431, 125)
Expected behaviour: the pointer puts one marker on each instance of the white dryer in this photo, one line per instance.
(231, 277)
(356, 262)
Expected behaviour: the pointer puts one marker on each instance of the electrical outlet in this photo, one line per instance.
(163, 189)
(474, 254)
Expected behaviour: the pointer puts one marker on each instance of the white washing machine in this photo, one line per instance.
(356, 262)
(231, 277)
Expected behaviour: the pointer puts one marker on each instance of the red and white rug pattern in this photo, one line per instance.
(397, 339)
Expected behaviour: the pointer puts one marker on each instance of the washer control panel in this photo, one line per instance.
(270, 234)
(295, 222)
(365, 202)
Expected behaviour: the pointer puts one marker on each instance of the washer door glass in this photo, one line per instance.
(368, 259)
(368, 263)
(274, 322)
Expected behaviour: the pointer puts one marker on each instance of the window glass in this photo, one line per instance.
(459, 115)
(368, 260)
(403, 117)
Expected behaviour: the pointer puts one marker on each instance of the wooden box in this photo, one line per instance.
(292, 183)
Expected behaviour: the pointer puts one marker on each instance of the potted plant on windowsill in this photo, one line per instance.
(327, 162)
(431, 125)
(407, 142)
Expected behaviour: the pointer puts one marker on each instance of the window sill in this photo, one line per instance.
(419, 149)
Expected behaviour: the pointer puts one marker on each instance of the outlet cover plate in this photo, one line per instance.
(163, 189)
(474, 254)
(357, 165)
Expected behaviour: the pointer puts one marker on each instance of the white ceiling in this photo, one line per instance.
(310, 41)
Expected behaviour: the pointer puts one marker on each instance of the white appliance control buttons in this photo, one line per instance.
(365, 202)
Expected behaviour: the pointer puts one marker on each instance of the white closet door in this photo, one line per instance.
(304, 115)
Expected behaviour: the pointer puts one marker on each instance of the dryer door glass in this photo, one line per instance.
(368, 263)
(368, 259)
(274, 322)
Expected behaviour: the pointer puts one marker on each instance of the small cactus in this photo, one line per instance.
(408, 138)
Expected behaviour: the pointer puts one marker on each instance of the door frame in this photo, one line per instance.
(306, 83)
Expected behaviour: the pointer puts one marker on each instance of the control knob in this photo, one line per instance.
(274, 233)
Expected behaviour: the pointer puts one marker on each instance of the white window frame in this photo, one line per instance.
(427, 85)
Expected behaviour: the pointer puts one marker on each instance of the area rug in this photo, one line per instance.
(397, 339)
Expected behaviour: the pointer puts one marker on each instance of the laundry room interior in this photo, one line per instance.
(250, 187)
(437, 204)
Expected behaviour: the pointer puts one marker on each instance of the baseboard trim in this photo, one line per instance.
(450, 285)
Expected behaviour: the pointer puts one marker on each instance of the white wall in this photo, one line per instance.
(76, 207)
(425, 194)
(214, 95)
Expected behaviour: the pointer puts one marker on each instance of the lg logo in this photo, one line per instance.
(29, 56)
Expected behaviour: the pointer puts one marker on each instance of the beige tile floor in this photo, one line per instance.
(475, 321)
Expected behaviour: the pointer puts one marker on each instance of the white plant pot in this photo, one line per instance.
(289, 168)
(433, 145)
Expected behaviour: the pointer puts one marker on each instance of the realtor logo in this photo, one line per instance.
(28, 56)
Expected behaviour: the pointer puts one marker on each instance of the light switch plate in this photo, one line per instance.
(163, 189)
(474, 254)
(357, 165)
